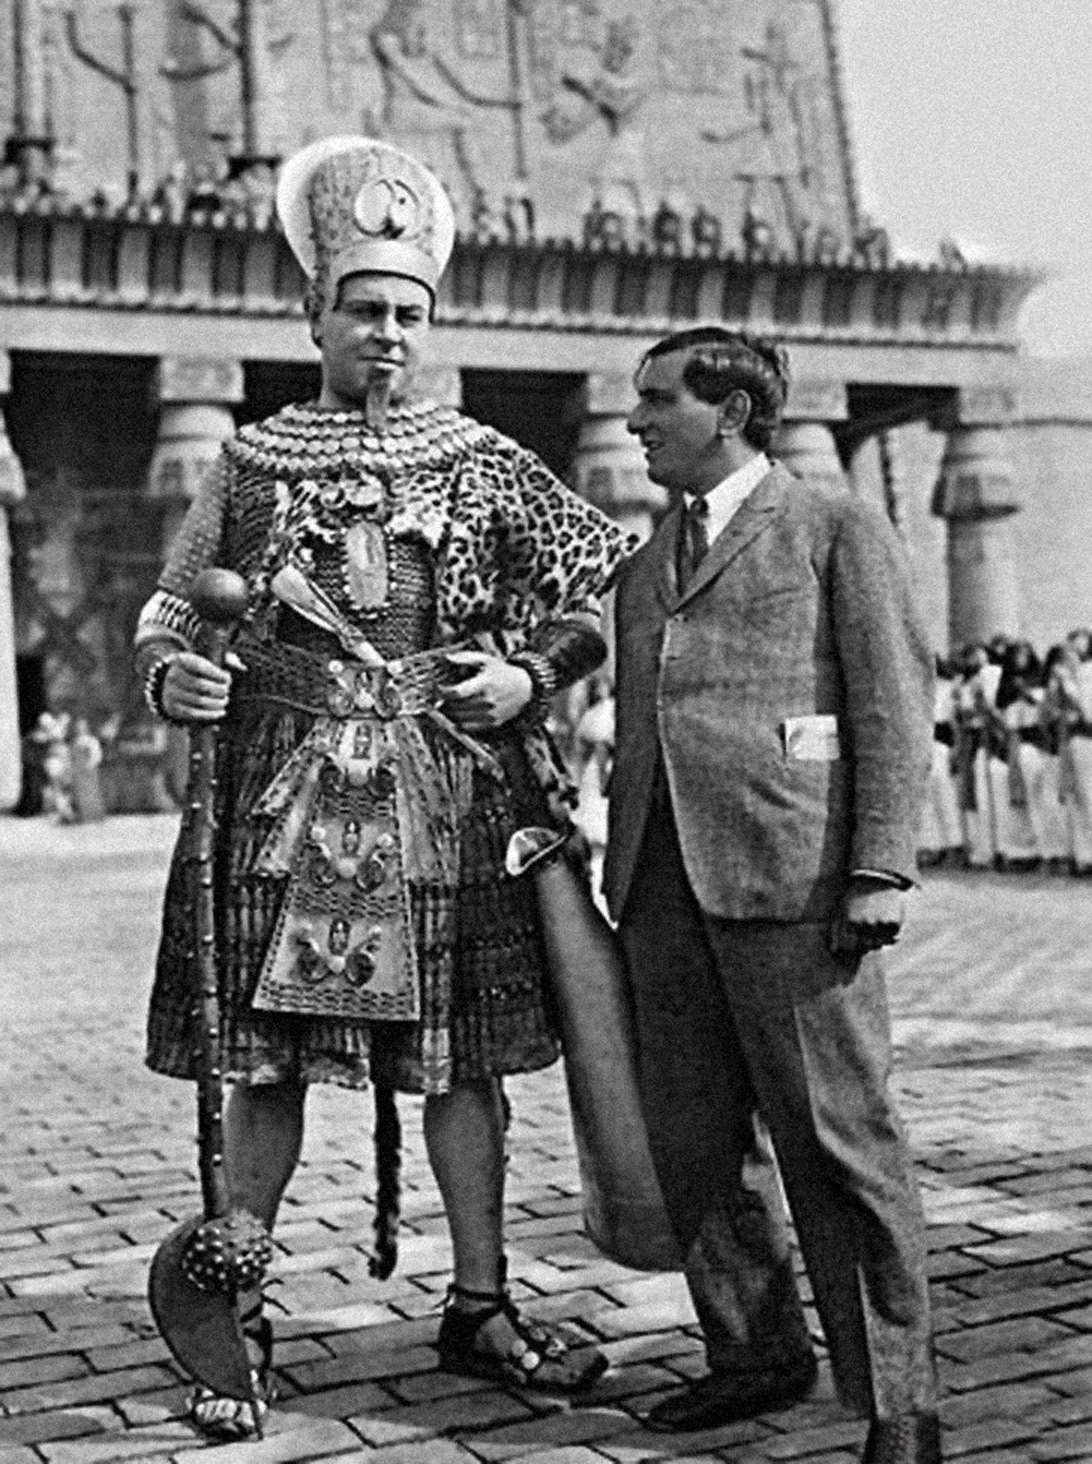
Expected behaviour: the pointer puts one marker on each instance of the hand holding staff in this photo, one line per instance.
(200, 1270)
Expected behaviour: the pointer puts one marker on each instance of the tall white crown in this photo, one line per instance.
(350, 204)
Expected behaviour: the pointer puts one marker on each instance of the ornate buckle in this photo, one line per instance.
(349, 689)
(362, 689)
(387, 697)
(363, 700)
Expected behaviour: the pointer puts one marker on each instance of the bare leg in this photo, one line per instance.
(263, 1134)
(464, 1136)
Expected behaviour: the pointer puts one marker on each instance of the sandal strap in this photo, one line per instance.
(468, 1321)
(533, 1343)
(499, 1296)
(229, 1418)
(238, 1418)
(548, 1342)
(543, 1339)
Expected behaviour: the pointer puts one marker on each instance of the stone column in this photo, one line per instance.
(609, 467)
(12, 491)
(30, 145)
(805, 443)
(977, 497)
(195, 396)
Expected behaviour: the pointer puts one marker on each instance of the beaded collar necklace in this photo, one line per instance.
(311, 441)
(341, 483)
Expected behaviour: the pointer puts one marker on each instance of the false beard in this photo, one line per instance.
(377, 400)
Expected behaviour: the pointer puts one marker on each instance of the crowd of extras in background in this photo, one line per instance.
(1010, 786)
(1011, 781)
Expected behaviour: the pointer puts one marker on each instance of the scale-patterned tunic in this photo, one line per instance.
(479, 546)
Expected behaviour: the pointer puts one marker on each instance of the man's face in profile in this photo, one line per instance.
(678, 431)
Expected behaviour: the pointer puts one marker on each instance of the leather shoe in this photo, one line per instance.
(721, 1398)
(911, 1438)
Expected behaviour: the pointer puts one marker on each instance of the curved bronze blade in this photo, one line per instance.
(201, 1328)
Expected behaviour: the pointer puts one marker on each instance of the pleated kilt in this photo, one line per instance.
(482, 937)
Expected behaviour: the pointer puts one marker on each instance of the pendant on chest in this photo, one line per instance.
(366, 569)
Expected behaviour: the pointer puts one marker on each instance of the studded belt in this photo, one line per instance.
(291, 677)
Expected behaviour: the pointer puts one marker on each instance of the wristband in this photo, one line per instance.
(154, 678)
(544, 679)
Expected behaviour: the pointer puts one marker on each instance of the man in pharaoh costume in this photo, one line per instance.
(417, 588)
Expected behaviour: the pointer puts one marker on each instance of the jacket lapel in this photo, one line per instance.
(667, 557)
(753, 517)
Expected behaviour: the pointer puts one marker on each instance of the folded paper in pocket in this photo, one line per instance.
(811, 739)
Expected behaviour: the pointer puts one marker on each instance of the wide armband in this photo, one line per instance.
(545, 681)
(155, 675)
(561, 652)
(167, 617)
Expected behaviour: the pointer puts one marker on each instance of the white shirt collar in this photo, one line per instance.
(726, 497)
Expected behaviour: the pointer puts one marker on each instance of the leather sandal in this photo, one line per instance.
(538, 1356)
(230, 1419)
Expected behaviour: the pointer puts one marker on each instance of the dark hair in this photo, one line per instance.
(1055, 654)
(970, 652)
(721, 361)
(1015, 678)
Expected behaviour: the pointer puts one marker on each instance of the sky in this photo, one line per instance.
(973, 119)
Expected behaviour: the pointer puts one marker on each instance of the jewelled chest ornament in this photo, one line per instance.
(362, 504)
(366, 572)
(343, 946)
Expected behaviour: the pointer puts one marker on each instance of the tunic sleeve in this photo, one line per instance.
(563, 551)
(168, 618)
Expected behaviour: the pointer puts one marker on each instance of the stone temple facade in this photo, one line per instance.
(619, 168)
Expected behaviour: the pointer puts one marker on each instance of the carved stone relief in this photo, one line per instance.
(696, 49)
(479, 29)
(429, 106)
(671, 122)
(610, 92)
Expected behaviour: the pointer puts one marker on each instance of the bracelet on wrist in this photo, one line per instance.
(544, 679)
(154, 678)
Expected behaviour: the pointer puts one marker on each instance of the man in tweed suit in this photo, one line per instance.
(773, 722)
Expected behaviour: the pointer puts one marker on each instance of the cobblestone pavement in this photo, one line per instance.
(993, 1011)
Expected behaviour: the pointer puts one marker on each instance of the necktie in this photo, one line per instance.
(694, 544)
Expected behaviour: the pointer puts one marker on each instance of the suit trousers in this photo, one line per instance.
(747, 1026)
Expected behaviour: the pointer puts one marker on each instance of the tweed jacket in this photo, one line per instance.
(788, 693)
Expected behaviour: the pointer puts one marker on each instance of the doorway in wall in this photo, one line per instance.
(542, 410)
